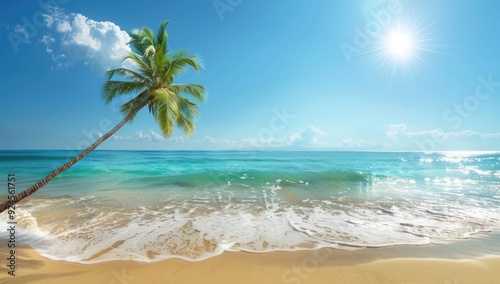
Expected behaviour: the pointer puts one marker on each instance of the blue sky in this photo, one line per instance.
(286, 75)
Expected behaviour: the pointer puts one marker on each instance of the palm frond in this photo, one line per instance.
(188, 109)
(132, 105)
(165, 119)
(162, 36)
(185, 124)
(150, 56)
(188, 112)
(136, 41)
(148, 38)
(165, 96)
(181, 59)
(113, 88)
(194, 90)
(129, 74)
(141, 64)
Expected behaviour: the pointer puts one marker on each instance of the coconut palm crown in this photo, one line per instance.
(171, 104)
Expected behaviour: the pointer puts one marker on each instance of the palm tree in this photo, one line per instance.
(153, 80)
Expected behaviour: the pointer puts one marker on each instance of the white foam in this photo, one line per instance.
(255, 220)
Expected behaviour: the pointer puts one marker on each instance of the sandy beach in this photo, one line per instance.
(317, 266)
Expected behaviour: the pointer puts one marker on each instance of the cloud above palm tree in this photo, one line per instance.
(72, 38)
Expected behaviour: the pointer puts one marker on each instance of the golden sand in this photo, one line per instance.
(318, 266)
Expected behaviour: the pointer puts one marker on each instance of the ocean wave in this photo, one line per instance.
(94, 229)
(195, 205)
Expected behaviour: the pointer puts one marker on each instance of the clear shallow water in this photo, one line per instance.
(153, 205)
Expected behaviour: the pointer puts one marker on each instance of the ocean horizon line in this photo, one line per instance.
(264, 150)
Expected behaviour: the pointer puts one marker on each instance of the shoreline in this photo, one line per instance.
(400, 264)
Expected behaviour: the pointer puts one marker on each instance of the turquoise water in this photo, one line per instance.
(153, 205)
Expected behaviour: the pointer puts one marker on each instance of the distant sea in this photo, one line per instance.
(154, 205)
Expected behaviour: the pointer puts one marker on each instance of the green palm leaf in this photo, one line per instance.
(152, 79)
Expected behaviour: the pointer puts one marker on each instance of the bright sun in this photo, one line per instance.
(399, 44)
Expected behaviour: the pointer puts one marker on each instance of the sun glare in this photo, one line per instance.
(399, 44)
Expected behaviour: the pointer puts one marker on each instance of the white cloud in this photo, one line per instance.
(156, 136)
(394, 130)
(306, 137)
(400, 130)
(21, 30)
(121, 138)
(93, 136)
(139, 136)
(49, 20)
(63, 27)
(48, 41)
(175, 139)
(102, 45)
(212, 140)
(209, 140)
(150, 136)
(356, 143)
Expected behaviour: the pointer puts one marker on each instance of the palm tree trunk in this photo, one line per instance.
(73, 161)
